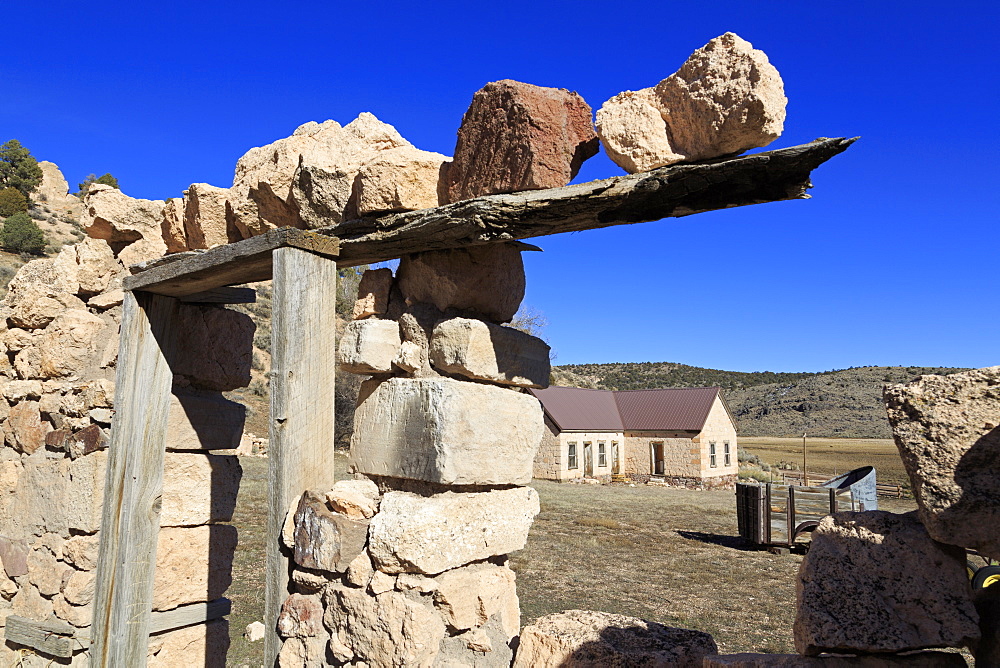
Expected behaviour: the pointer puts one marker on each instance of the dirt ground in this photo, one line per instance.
(664, 554)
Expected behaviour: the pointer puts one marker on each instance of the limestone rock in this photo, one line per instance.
(484, 351)
(205, 217)
(302, 653)
(200, 644)
(45, 572)
(468, 596)
(254, 632)
(484, 647)
(107, 300)
(18, 390)
(193, 564)
(71, 342)
(202, 420)
(40, 273)
(173, 225)
(132, 227)
(199, 488)
(77, 615)
(355, 499)
(381, 583)
(325, 540)
(94, 265)
(516, 136)
(300, 617)
(400, 179)
(217, 345)
(385, 630)
(726, 98)
(79, 587)
(446, 431)
(53, 188)
(373, 293)
(26, 427)
(14, 557)
(484, 281)
(876, 582)
(35, 305)
(288, 526)
(917, 660)
(81, 552)
(416, 534)
(947, 430)
(584, 639)
(369, 346)
(28, 602)
(360, 571)
(265, 175)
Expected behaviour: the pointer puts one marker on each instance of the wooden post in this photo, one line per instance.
(130, 521)
(303, 363)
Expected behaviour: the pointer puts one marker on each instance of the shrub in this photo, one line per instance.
(11, 202)
(105, 179)
(20, 234)
(18, 168)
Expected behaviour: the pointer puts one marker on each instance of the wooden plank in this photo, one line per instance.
(678, 190)
(52, 638)
(133, 483)
(222, 296)
(204, 421)
(186, 615)
(245, 261)
(300, 451)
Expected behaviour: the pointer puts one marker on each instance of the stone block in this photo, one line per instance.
(484, 351)
(72, 342)
(77, 615)
(29, 603)
(876, 582)
(217, 345)
(25, 428)
(590, 639)
(14, 557)
(446, 431)
(193, 564)
(45, 572)
(203, 420)
(400, 179)
(418, 534)
(302, 653)
(516, 136)
(385, 630)
(917, 660)
(79, 587)
(301, 617)
(325, 540)
(199, 488)
(81, 552)
(132, 227)
(479, 281)
(19, 390)
(484, 647)
(947, 430)
(202, 645)
(373, 293)
(205, 217)
(173, 225)
(369, 346)
(468, 596)
(355, 499)
(725, 99)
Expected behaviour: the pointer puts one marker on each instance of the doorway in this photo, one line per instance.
(656, 458)
(588, 459)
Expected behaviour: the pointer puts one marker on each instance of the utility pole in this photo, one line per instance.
(805, 476)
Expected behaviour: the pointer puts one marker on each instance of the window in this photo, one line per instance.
(711, 455)
(571, 458)
(725, 454)
(602, 454)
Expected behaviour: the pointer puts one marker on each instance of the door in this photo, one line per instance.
(657, 454)
(588, 459)
(615, 466)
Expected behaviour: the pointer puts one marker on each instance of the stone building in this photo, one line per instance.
(684, 435)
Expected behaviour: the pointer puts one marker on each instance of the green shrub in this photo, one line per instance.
(18, 168)
(105, 179)
(11, 202)
(20, 234)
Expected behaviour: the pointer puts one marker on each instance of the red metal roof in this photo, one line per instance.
(670, 409)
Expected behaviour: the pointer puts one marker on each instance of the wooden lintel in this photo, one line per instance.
(222, 296)
(678, 190)
(241, 262)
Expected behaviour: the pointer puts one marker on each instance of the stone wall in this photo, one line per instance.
(550, 458)
(59, 331)
(680, 454)
(719, 429)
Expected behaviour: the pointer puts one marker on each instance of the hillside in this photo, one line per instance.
(841, 403)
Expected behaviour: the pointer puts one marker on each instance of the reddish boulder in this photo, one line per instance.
(516, 136)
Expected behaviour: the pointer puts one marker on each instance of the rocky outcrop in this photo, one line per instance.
(205, 223)
(53, 188)
(132, 227)
(589, 639)
(876, 582)
(947, 430)
(516, 136)
(725, 99)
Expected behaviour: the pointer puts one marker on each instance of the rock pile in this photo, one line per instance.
(59, 331)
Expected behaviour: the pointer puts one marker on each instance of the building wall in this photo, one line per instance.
(719, 429)
(549, 458)
(552, 461)
(680, 453)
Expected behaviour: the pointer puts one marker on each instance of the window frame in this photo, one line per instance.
(726, 454)
(572, 460)
(712, 461)
(602, 454)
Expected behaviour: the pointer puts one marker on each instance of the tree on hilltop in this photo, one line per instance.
(20, 234)
(11, 202)
(105, 179)
(18, 168)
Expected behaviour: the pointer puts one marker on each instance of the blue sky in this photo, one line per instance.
(893, 261)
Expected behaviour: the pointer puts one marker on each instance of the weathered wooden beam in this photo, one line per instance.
(130, 520)
(678, 190)
(300, 450)
(245, 261)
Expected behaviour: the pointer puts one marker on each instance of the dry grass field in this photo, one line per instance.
(829, 455)
(664, 554)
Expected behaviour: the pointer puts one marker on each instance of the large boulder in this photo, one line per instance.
(947, 430)
(589, 639)
(479, 281)
(53, 189)
(217, 345)
(369, 346)
(446, 431)
(483, 351)
(516, 136)
(373, 293)
(876, 582)
(418, 534)
(205, 216)
(726, 98)
(132, 227)
(173, 225)
(325, 540)
(400, 179)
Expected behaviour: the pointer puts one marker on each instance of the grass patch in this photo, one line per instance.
(832, 455)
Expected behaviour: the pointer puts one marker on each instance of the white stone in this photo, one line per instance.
(468, 596)
(485, 351)
(254, 631)
(205, 216)
(400, 179)
(416, 534)
(369, 346)
(446, 431)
